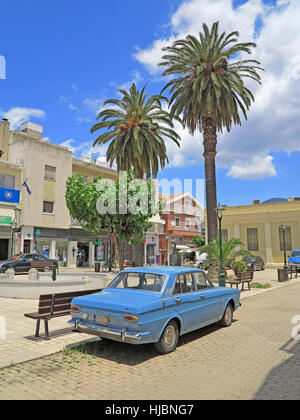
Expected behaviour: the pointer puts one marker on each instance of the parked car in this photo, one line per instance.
(22, 262)
(154, 305)
(254, 263)
(294, 258)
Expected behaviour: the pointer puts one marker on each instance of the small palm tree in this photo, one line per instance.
(232, 250)
(136, 130)
(209, 90)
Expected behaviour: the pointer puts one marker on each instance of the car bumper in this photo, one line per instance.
(121, 335)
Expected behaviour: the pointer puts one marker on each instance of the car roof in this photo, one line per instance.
(163, 270)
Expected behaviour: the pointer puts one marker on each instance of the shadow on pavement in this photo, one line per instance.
(132, 355)
(283, 382)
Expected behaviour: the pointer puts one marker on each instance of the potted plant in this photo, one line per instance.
(238, 266)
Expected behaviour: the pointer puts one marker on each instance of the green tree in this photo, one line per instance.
(209, 90)
(83, 198)
(136, 128)
(199, 241)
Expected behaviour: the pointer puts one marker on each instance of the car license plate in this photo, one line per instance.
(102, 319)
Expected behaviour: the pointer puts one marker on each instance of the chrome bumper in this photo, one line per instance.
(106, 332)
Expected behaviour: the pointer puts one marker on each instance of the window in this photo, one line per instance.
(143, 281)
(184, 284)
(288, 239)
(7, 181)
(188, 203)
(177, 222)
(48, 207)
(252, 238)
(201, 281)
(187, 223)
(224, 235)
(50, 172)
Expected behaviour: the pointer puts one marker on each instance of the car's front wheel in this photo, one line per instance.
(169, 339)
(226, 321)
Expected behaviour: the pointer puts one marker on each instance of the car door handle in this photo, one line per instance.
(177, 300)
(202, 296)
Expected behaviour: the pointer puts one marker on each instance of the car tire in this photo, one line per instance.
(226, 321)
(169, 339)
(262, 268)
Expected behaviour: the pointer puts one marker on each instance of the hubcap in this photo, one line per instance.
(170, 336)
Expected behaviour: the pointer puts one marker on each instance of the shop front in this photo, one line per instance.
(71, 248)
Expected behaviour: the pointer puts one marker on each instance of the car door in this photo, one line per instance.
(209, 308)
(24, 264)
(185, 300)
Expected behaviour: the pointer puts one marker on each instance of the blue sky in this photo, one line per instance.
(64, 58)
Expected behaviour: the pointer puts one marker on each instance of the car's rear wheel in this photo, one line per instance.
(169, 339)
(226, 321)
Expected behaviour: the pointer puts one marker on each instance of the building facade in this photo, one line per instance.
(183, 216)
(258, 228)
(38, 170)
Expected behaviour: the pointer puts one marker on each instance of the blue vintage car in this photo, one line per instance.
(154, 305)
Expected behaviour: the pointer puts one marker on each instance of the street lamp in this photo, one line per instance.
(283, 228)
(222, 277)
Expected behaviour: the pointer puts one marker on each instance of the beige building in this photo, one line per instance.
(258, 227)
(41, 210)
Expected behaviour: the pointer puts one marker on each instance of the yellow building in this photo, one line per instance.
(258, 227)
(41, 210)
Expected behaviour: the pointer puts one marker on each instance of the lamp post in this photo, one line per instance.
(37, 233)
(285, 266)
(222, 277)
(13, 230)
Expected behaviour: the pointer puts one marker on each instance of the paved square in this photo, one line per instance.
(256, 358)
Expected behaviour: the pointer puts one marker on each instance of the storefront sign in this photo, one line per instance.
(5, 220)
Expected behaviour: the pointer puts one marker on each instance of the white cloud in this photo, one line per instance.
(18, 115)
(69, 145)
(273, 121)
(257, 168)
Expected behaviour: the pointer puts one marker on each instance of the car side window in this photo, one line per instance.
(184, 284)
(133, 281)
(201, 281)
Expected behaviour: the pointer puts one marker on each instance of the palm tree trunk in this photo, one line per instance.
(139, 249)
(210, 144)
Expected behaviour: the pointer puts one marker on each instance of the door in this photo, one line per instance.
(209, 309)
(186, 300)
(3, 249)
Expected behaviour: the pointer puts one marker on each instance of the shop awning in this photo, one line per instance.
(6, 216)
(157, 219)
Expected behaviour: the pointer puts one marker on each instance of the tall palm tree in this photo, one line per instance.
(136, 128)
(209, 90)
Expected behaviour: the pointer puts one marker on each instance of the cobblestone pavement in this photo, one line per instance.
(256, 358)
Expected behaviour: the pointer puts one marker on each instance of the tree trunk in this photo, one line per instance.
(210, 144)
(119, 249)
(139, 249)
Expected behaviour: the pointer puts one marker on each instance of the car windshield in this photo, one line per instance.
(296, 254)
(141, 281)
(250, 260)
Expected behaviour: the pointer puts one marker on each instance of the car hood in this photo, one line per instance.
(5, 262)
(122, 300)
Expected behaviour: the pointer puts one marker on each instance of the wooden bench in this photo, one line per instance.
(42, 265)
(293, 269)
(53, 306)
(242, 278)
